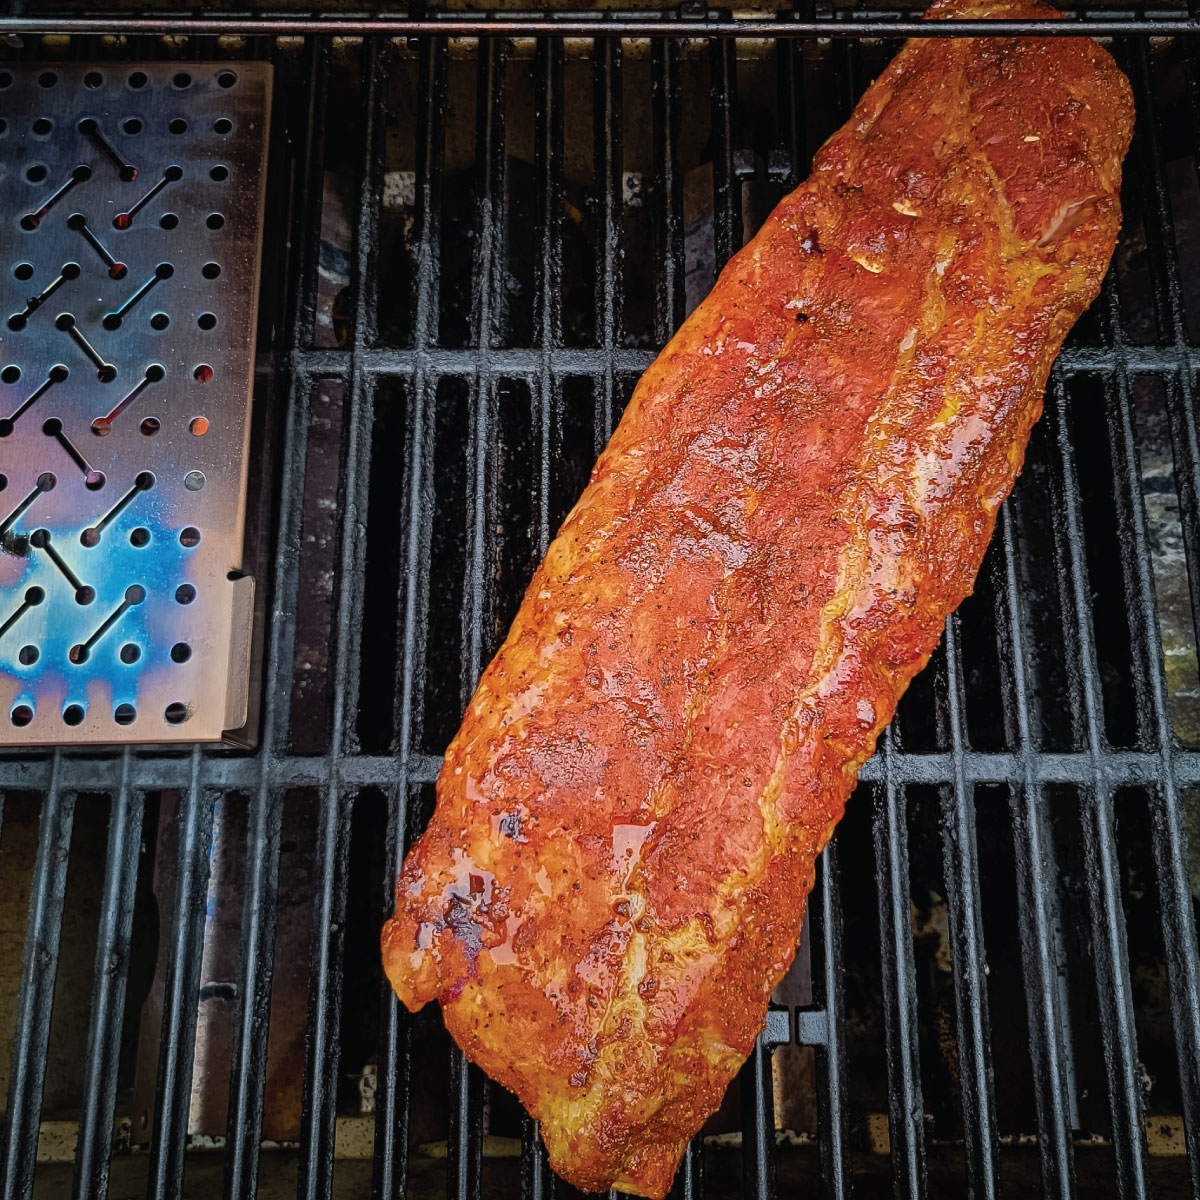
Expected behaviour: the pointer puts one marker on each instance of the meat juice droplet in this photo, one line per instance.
(471, 882)
(628, 841)
(503, 955)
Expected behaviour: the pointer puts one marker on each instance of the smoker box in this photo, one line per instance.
(132, 200)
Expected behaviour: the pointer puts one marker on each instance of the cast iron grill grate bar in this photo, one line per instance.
(185, 947)
(319, 1112)
(536, 1177)
(468, 1085)
(1035, 887)
(393, 1112)
(108, 994)
(248, 1069)
(668, 228)
(39, 965)
(1097, 769)
(226, 774)
(906, 1125)
(609, 204)
(966, 943)
(890, 831)
(847, 22)
(830, 1047)
(1179, 930)
(1099, 835)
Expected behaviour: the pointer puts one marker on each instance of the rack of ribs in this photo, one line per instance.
(799, 493)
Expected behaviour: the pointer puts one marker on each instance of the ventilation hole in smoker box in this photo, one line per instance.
(28, 655)
(150, 426)
(198, 426)
(93, 80)
(206, 320)
(182, 80)
(131, 126)
(222, 125)
(124, 714)
(189, 537)
(168, 221)
(3, 481)
(185, 593)
(23, 271)
(47, 79)
(181, 652)
(194, 481)
(159, 321)
(214, 221)
(139, 536)
(21, 715)
(226, 79)
(130, 653)
(210, 270)
(219, 174)
(203, 373)
(138, 80)
(36, 173)
(177, 126)
(73, 714)
(176, 713)
(42, 126)
(10, 374)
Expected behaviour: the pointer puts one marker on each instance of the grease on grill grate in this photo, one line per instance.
(131, 201)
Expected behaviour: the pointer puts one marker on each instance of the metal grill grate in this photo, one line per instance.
(432, 407)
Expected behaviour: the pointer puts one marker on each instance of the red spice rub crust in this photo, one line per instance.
(800, 492)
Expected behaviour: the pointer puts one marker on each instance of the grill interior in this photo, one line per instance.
(473, 248)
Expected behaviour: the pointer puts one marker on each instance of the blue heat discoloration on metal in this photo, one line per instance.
(60, 623)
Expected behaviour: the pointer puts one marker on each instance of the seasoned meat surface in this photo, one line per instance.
(799, 493)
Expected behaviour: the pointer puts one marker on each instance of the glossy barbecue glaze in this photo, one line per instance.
(801, 490)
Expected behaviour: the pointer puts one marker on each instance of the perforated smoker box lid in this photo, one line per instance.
(131, 203)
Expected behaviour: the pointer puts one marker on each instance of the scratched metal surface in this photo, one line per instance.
(131, 209)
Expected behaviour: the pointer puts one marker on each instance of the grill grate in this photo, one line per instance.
(468, 405)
